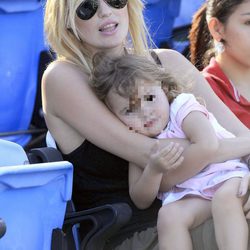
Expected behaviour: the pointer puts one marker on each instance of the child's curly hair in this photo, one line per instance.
(122, 73)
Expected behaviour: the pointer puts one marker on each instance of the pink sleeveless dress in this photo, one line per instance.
(206, 182)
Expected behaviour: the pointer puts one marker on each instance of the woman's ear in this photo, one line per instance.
(216, 29)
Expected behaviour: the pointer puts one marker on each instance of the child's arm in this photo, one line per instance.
(204, 144)
(144, 183)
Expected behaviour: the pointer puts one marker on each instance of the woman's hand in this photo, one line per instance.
(244, 190)
(246, 159)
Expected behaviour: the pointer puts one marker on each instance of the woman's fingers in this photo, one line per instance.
(248, 215)
(243, 189)
(246, 208)
(244, 185)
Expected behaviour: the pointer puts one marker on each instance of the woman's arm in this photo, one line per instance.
(194, 162)
(205, 149)
(73, 113)
(232, 148)
(187, 74)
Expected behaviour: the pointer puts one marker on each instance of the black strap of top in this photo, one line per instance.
(153, 54)
(155, 57)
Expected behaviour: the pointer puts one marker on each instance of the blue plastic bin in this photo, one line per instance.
(21, 42)
(159, 16)
(32, 203)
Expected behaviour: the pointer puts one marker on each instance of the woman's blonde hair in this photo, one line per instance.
(62, 36)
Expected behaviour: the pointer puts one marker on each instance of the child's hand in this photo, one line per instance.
(167, 158)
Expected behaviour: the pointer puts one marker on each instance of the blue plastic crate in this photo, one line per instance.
(33, 202)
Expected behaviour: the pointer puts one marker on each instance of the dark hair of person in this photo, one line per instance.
(201, 41)
(121, 74)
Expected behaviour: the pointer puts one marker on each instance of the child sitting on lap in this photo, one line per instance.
(145, 98)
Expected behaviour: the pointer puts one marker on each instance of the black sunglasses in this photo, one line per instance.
(88, 8)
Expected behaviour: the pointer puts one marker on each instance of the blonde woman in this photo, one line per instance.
(87, 133)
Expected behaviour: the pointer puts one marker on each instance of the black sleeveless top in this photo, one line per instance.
(101, 178)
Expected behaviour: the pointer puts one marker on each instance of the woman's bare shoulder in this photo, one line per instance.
(168, 55)
(61, 75)
(178, 65)
(63, 81)
(61, 71)
(160, 51)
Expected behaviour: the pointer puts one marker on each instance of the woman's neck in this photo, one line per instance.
(117, 51)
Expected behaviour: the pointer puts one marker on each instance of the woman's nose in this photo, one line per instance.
(104, 10)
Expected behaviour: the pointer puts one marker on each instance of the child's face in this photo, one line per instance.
(147, 113)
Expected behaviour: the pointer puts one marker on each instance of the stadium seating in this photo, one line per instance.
(21, 45)
(159, 16)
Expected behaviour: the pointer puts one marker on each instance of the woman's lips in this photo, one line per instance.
(108, 28)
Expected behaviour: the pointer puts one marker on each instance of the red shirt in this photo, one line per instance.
(225, 90)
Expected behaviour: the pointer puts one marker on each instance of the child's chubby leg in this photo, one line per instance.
(231, 229)
(177, 218)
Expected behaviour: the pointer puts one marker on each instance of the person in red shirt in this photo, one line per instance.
(220, 47)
